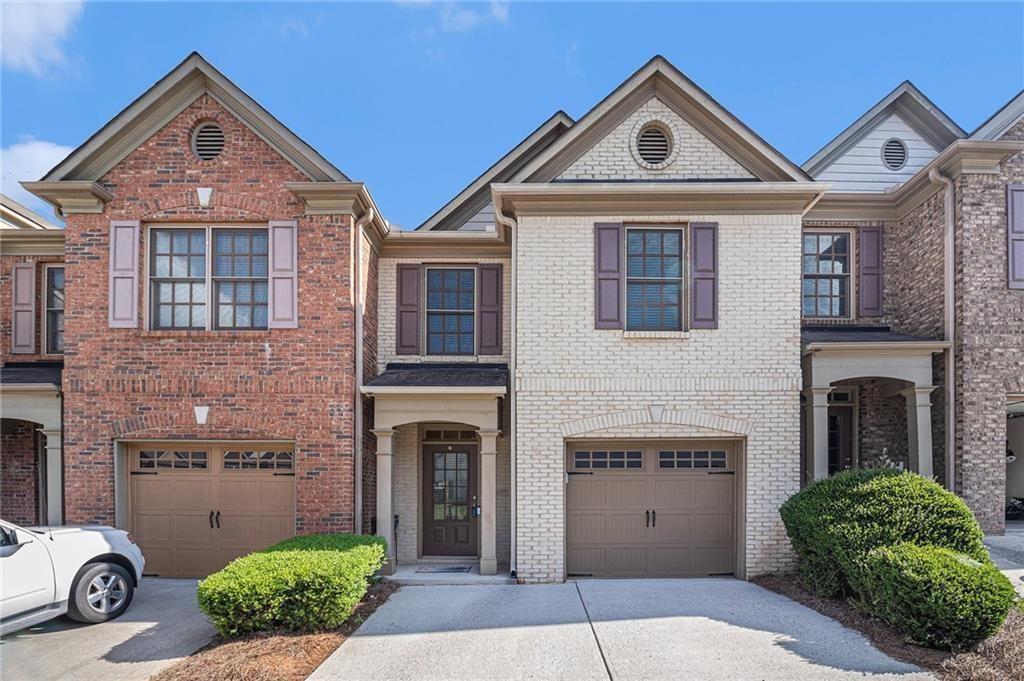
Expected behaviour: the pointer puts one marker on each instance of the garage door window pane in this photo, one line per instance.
(615, 460)
(252, 460)
(154, 459)
(189, 459)
(692, 459)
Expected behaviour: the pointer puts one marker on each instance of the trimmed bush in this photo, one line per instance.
(309, 583)
(938, 597)
(835, 522)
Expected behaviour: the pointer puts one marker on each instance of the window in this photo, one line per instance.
(177, 459)
(826, 287)
(606, 459)
(654, 279)
(182, 274)
(450, 303)
(236, 460)
(54, 310)
(240, 278)
(691, 459)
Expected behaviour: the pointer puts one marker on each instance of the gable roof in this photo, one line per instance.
(13, 215)
(1001, 121)
(659, 77)
(910, 103)
(476, 195)
(155, 107)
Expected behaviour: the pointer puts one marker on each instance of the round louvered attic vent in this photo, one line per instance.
(208, 141)
(894, 154)
(654, 145)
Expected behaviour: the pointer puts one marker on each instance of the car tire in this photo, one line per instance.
(100, 592)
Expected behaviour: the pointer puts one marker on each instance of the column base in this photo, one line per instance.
(388, 568)
(488, 566)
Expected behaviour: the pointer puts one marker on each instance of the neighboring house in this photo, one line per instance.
(615, 353)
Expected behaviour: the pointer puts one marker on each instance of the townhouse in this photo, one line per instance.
(615, 353)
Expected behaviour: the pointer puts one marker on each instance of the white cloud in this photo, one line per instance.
(33, 34)
(292, 27)
(499, 10)
(29, 159)
(456, 19)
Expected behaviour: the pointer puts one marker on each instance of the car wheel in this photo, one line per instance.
(100, 592)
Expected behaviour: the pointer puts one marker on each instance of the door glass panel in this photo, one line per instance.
(451, 486)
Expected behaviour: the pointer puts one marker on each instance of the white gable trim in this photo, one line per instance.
(165, 100)
(660, 78)
(1002, 120)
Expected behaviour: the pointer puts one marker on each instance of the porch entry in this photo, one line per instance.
(451, 502)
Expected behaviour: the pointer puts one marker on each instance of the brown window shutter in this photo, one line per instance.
(407, 310)
(870, 284)
(489, 310)
(704, 275)
(608, 276)
(23, 308)
(1015, 235)
(123, 304)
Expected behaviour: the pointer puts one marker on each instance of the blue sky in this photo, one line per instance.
(417, 99)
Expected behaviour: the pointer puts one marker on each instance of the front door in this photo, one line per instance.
(840, 439)
(449, 500)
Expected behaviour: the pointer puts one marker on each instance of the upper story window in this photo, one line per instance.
(654, 279)
(182, 275)
(54, 310)
(826, 274)
(450, 311)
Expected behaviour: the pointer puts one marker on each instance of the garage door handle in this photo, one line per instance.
(218, 520)
(654, 518)
(647, 523)
(211, 520)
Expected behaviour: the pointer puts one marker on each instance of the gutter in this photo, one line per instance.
(936, 176)
(510, 223)
(357, 430)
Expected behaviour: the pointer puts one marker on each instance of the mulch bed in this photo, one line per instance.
(281, 656)
(998, 658)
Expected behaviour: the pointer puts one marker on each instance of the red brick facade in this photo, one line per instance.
(278, 384)
(6, 264)
(19, 488)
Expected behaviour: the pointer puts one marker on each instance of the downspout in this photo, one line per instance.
(357, 297)
(506, 221)
(949, 321)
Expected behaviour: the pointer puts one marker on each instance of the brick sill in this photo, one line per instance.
(656, 335)
(261, 334)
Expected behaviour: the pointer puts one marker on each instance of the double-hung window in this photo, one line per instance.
(826, 271)
(450, 311)
(54, 310)
(654, 279)
(187, 263)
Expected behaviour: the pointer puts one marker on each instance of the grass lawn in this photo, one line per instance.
(998, 658)
(281, 656)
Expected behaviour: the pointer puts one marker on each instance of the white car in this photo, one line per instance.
(89, 572)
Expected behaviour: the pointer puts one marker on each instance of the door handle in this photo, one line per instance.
(647, 522)
(654, 519)
(211, 520)
(218, 520)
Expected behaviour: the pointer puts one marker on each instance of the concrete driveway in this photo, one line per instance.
(1007, 553)
(596, 629)
(162, 625)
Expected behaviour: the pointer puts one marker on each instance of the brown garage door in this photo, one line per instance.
(194, 508)
(662, 510)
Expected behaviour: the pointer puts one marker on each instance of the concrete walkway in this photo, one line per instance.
(163, 625)
(1007, 553)
(602, 629)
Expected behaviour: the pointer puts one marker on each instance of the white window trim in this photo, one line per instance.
(45, 340)
(426, 310)
(851, 310)
(148, 284)
(684, 289)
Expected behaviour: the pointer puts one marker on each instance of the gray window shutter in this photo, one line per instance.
(283, 299)
(23, 308)
(407, 310)
(489, 310)
(123, 312)
(704, 275)
(870, 284)
(608, 276)
(1015, 235)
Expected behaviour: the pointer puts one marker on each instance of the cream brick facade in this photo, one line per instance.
(697, 157)
(741, 380)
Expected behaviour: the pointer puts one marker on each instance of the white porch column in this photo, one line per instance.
(919, 428)
(54, 477)
(488, 502)
(385, 512)
(817, 429)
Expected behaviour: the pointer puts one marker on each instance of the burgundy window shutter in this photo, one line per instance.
(608, 276)
(704, 275)
(407, 310)
(123, 304)
(283, 299)
(870, 271)
(489, 310)
(23, 308)
(1015, 235)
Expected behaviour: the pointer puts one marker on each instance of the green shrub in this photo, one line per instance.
(309, 583)
(935, 596)
(835, 522)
